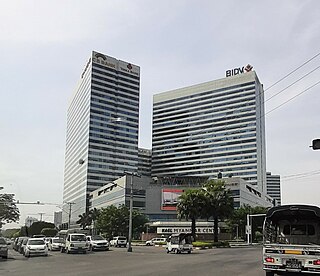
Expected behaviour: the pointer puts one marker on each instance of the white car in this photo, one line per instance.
(156, 241)
(97, 243)
(118, 241)
(55, 243)
(36, 247)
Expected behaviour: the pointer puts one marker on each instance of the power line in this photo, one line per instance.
(302, 92)
(298, 174)
(292, 84)
(292, 71)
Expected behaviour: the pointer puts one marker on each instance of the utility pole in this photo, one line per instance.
(41, 215)
(70, 209)
(132, 174)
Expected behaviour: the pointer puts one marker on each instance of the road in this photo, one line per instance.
(142, 261)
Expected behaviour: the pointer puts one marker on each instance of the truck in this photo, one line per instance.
(291, 240)
(73, 240)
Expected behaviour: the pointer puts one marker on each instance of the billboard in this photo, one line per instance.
(170, 199)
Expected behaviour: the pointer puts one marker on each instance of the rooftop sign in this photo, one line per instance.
(240, 70)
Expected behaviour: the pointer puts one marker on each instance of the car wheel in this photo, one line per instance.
(189, 251)
(269, 273)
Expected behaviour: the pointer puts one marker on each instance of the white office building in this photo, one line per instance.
(212, 127)
(273, 187)
(102, 130)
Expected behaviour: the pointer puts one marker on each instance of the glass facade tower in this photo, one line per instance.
(102, 130)
(212, 127)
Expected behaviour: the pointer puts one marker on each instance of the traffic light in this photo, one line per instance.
(316, 144)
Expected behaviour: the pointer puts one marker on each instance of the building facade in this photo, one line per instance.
(102, 130)
(144, 162)
(212, 127)
(273, 187)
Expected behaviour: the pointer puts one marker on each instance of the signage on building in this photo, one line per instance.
(174, 230)
(170, 199)
(115, 64)
(240, 70)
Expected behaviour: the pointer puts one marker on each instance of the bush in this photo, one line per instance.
(204, 244)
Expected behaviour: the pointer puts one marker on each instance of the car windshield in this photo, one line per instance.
(36, 242)
(97, 238)
(122, 238)
(78, 238)
(57, 240)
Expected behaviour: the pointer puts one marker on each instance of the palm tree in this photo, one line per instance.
(220, 203)
(85, 220)
(191, 205)
(94, 213)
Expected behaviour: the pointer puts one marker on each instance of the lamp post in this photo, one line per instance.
(132, 174)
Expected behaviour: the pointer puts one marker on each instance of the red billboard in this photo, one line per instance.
(170, 199)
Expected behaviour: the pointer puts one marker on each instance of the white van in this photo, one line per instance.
(118, 241)
(156, 241)
(75, 242)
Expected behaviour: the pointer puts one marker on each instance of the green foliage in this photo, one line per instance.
(191, 205)
(239, 218)
(36, 227)
(204, 244)
(220, 202)
(9, 233)
(9, 212)
(86, 219)
(114, 221)
(49, 232)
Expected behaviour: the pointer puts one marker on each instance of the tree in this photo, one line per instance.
(139, 221)
(85, 220)
(49, 232)
(9, 212)
(220, 203)
(94, 213)
(191, 205)
(36, 227)
(239, 218)
(114, 221)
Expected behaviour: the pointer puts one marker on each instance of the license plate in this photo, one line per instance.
(293, 263)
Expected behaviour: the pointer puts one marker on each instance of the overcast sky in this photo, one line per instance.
(44, 46)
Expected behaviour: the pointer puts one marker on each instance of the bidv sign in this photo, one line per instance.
(237, 71)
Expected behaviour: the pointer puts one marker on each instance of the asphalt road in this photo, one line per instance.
(142, 261)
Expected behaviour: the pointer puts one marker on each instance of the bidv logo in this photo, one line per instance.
(237, 71)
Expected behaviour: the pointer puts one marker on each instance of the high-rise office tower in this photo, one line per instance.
(213, 127)
(102, 130)
(273, 187)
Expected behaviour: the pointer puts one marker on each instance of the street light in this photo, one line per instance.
(132, 174)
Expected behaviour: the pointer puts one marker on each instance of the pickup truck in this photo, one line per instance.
(292, 240)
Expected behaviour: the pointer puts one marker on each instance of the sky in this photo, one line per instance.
(44, 47)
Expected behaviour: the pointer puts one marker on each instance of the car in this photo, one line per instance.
(75, 242)
(97, 242)
(156, 241)
(118, 241)
(19, 243)
(3, 248)
(23, 246)
(36, 247)
(55, 243)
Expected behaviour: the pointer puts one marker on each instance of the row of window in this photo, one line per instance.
(211, 137)
(206, 131)
(94, 66)
(191, 156)
(115, 76)
(191, 97)
(118, 102)
(115, 82)
(117, 92)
